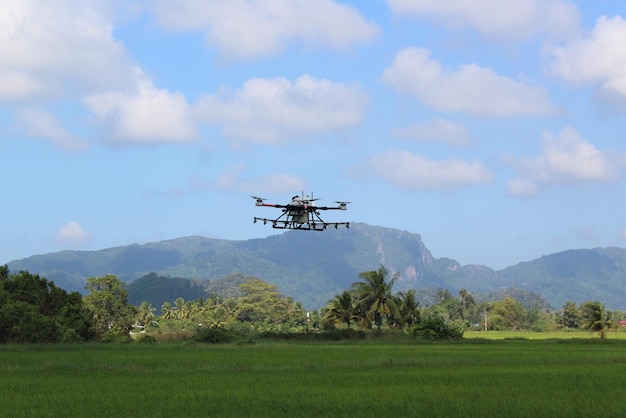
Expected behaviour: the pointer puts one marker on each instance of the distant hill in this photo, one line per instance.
(157, 289)
(312, 267)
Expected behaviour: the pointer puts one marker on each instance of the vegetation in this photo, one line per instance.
(108, 303)
(370, 377)
(35, 310)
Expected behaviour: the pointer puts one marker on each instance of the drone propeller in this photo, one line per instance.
(259, 200)
(342, 205)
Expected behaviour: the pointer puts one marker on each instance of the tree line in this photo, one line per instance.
(34, 310)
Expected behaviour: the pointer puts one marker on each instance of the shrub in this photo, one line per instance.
(434, 327)
(214, 336)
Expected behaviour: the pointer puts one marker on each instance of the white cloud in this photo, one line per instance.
(273, 183)
(145, 115)
(16, 85)
(598, 59)
(57, 48)
(268, 111)
(496, 19)
(252, 28)
(440, 130)
(415, 172)
(471, 89)
(72, 234)
(65, 50)
(567, 159)
(42, 124)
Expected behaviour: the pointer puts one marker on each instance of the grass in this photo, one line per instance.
(554, 335)
(473, 378)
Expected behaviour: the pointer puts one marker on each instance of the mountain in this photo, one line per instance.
(312, 267)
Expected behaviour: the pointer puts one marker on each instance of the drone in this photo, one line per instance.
(301, 213)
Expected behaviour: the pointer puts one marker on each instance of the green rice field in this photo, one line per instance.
(477, 377)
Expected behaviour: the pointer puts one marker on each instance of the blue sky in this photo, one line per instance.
(493, 129)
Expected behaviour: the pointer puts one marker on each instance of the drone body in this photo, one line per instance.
(301, 213)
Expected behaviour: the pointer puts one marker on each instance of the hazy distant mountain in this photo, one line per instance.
(312, 267)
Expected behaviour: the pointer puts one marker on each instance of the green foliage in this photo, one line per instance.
(374, 297)
(262, 302)
(215, 336)
(408, 307)
(595, 318)
(342, 309)
(108, 303)
(435, 328)
(34, 310)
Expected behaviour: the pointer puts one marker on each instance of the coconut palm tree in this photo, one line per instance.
(409, 307)
(375, 297)
(342, 308)
(167, 311)
(595, 318)
(181, 308)
(145, 313)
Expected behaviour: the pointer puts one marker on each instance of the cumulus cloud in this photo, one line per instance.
(65, 50)
(415, 172)
(72, 234)
(497, 19)
(270, 110)
(145, 114)
(470, 89)
(232, 180)
(439, 130)
(42, 124)
(252, 28)
(566, 159)
(597, 59)
(16, 85)
(57, 48)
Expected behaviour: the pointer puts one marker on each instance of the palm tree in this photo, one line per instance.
(181, 308)
(463, 295)
(342, 308)
(409, 307)
(167, 311)
(145, 312)
(595, 319)
(374, 295)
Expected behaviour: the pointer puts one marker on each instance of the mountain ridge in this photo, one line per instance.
(313, 267)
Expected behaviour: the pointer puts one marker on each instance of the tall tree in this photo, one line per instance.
(595, 318)
(108, 302)
(167, 311)
(375, 297)
(409, 307)
(262, 302)
(571, 317)
(181, 308)
(509, 312)
(341, 309)
(33, 309)
(145, 312)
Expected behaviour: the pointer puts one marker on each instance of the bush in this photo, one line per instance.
(435, 328)
(214, 336)
(334, 335)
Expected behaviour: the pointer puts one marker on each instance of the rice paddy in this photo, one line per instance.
(472, 378)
